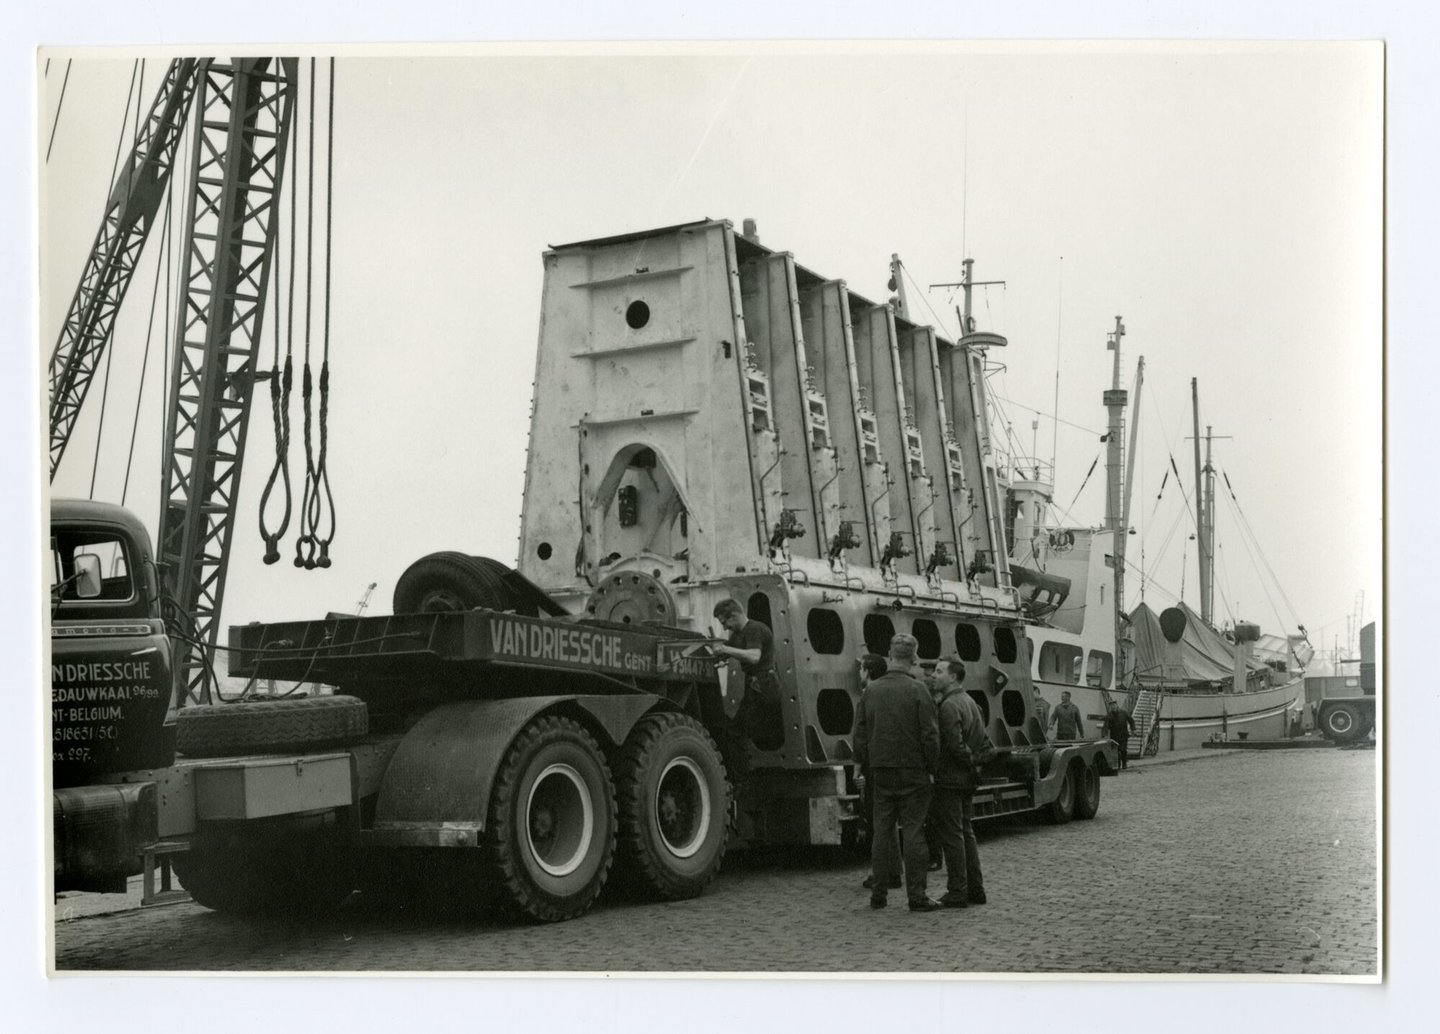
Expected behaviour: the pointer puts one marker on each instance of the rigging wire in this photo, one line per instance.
(55, 124)
(1244, 523)
(1156, 585)
(1252, 547)
(163, 255)
(1059, 324)
(1052, 416)
(281, 384)
(1221, 580)
(321, 465)
(305, 544)
(921, 292)
(1093, 464)
(130, 95)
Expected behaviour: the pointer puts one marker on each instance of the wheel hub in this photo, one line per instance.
(559, 820)
(682, 807)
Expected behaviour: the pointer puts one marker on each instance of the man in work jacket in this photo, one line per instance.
(1066, 719)
(873, 666)
(963, 745)
(898, 739)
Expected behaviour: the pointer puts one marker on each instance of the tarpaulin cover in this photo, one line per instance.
(1206, 655)
(1279, 648)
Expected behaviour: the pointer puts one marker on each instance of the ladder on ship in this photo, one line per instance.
(1146, 712)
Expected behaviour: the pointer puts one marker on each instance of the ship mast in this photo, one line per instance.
(1204, 510)
(1123, 638)
(1116, 399)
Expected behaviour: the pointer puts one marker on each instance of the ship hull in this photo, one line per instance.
(1190, 720)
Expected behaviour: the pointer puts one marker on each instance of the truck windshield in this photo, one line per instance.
(116, 584)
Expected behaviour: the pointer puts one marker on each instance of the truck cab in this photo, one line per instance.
(111, 708)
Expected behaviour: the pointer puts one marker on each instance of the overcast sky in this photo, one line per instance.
(1224, 200)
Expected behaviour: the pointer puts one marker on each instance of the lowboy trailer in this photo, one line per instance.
(710, 421)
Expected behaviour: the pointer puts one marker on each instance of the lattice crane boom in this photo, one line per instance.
(240, 141)
(129, 213)
(246, 110)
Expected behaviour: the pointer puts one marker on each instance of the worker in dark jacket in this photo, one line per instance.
(757, 719)
(963, 747)
(1118, 726)
(872, 666)
(898, 739)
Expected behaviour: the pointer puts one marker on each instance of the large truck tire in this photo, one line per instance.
(257, 726)
(1062, 808)
(552, 821)
(1342, 723)
(449, 581)
(267, 871)
(1087, 792)
(674, 802)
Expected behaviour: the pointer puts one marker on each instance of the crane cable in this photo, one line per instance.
(130, 94)
(322, 469)
(149, 333)
(281, 385)
(309, 499)
(58, 105)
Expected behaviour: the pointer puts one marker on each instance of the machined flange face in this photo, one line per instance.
(632, 598)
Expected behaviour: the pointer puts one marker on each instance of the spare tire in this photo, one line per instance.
(262, 726)
(449, 581)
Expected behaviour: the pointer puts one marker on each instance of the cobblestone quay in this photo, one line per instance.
(1231, 862)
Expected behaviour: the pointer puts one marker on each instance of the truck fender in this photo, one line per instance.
(444, 768)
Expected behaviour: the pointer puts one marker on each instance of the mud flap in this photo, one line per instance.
(444, 769)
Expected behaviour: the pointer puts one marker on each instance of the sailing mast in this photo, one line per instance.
(1202, 508)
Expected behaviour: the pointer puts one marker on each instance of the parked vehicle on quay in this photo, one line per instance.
(1344, 704)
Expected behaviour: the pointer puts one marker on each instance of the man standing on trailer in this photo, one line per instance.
(757, 719)
(963, 746)
(898, 738)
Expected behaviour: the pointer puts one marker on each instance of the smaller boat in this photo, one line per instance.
(1203, 684)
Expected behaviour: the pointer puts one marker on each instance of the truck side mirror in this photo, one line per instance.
(88, 581)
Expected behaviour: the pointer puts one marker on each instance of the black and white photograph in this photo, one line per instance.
(813, 510)
(906, 472)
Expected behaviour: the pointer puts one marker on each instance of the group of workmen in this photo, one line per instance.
(921, 750)
(920, 747)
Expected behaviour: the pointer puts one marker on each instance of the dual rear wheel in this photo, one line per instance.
(556, 818)
(1079, 795)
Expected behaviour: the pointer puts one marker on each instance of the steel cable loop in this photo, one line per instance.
(279, 411)
(321, 466)
(309, 500)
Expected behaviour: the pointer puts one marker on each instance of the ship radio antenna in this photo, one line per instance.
(1059, 317)
(964, 185)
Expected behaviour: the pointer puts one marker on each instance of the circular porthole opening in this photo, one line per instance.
(543, 551)
(637, 315)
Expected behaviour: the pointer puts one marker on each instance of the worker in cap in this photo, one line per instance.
(897, 737)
